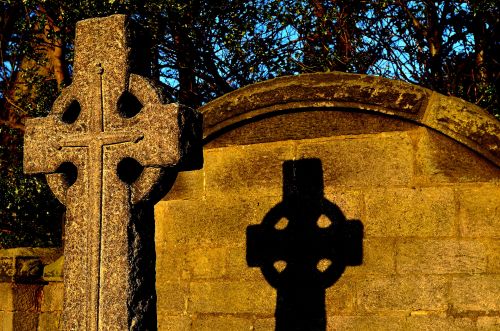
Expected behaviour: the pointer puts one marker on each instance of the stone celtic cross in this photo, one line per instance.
(105, 148)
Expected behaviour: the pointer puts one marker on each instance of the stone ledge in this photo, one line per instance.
(54, 272)
(25, 265)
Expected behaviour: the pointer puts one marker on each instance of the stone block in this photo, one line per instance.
(164, 220)
(177, 221)
(46, 255)
(28, 269)
(247, 167)
(20, 268)
(173, 323)
(265, 324)
(442, 160)
(350, 202)
(402, 293)
(430, 322)
(6, 321)
(492, 249)
(189, 185)
(170, 262)
(488, 323)
(26, 297)
(232, 297)
(7, 301)
(372, 323)
(54, 272)
(384, 159)
(258, 203)
(213, 222)
(210, 323)
(7, 269)
(478, 293)
(22, 321)
(378, 258)
(340, 298)
(237, 267)
(480, 211)
(52, 297)
(440, 256)
(407, 212)
(171, 297)
(199, 223)
(49, 321)
(207, 262)
(467, 123)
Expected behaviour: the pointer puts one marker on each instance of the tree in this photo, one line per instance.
(447, 46)
(201, 50)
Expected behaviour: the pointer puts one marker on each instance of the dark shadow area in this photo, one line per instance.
(69, 173)
(72, 113)
(339, 121)
(128, 105)
(303, 246)
(128, 170)
(191, 139)
(142, 256)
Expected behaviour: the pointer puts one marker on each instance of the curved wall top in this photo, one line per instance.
(455, 118)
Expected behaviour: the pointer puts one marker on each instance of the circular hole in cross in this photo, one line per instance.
(129, 170)
(282, 224)
(71, 113)
(279, 265)
(128, 105)
(323, 264)
(323, 222)
(69, 173)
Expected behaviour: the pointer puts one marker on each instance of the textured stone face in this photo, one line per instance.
(104, 148)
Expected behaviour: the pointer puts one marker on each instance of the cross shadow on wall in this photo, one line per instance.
(303, 246)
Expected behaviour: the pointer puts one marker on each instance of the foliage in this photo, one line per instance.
(203, 49)
(29, 214)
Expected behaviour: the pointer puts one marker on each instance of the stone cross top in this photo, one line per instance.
(105, 146)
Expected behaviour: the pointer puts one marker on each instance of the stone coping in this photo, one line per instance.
(26, 264)
(455, 118)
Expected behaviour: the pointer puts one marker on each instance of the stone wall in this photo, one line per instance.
(419, 170)
(427, 196)
(27, 302)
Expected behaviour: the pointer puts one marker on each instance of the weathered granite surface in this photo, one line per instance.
(105, 148)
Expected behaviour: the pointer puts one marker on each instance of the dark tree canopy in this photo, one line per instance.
(203, 49)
